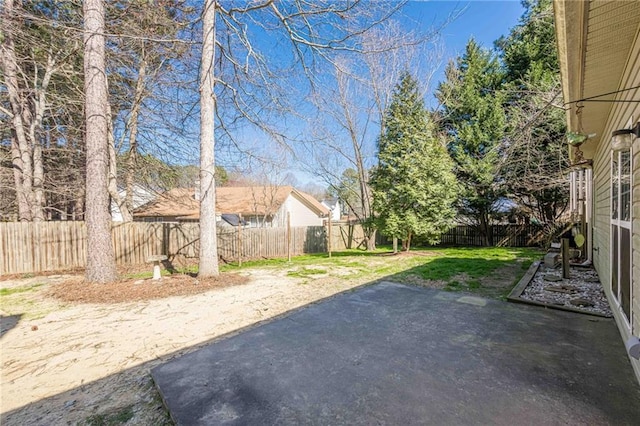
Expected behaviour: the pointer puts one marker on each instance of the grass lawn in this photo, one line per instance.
(485, 271)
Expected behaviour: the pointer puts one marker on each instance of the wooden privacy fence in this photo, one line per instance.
(501, 236)
(54, 246)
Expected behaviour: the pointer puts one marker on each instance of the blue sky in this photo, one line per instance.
(485, 21)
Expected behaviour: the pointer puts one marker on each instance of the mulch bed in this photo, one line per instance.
(76, 290)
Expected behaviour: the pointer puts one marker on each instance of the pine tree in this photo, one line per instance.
(474, 120)
(101, 260)
(413, 185)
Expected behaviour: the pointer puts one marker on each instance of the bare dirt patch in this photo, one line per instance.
(419, 281)
(403, 254)
(503, 277)
(133, 290)
(82, 362)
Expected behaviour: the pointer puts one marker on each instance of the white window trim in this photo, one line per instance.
(627, 224)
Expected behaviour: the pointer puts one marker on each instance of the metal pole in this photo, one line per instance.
(565, 258)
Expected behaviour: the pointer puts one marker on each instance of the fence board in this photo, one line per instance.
(54, 246)
(502, 236)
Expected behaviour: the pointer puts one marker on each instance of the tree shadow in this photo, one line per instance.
(168, 265)
(7, 322)
(133, 387)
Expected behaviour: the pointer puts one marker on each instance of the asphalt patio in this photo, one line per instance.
(395, 354)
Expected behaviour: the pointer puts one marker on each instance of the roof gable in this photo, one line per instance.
(247, 201)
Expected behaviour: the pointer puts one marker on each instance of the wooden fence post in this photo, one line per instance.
(239, 240)
(289, 236)
(329, 236)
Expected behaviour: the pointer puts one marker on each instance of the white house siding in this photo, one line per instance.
(335, 208)
(140, 196)
(301, 215)
(619, 118)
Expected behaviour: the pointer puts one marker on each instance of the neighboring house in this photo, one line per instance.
(334, 205)
(259, 206)
(599, 52)
(141, 196)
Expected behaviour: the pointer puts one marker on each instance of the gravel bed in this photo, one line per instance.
(583, 291)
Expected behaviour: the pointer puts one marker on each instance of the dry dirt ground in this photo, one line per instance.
(83, 356)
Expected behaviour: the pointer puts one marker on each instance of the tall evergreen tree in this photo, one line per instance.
(413, 185)
(474, 122)
(536, 155)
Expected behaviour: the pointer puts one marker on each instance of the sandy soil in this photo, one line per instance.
(68, 363)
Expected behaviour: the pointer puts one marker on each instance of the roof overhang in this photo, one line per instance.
(594, 44)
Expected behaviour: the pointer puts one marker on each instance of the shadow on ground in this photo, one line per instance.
(396, 354)
(384, 353)
(491, 278)
(7, 322)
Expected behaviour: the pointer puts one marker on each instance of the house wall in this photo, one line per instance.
(621, 116)
(260, 221)
(301, 215)
(335, 209)
(140, 196)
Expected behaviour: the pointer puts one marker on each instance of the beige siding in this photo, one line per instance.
(601, 222)
(620, 116)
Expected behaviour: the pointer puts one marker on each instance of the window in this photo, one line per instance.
(621, 230)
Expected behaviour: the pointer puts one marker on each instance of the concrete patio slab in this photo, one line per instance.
(394, 354)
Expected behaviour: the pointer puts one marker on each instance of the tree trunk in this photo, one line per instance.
(28, 105)
(101, 265)
(35, 130)
(133, 133)
(113, 173)
(24, 210)
(208, 262)
(484, 229)
(20, 152)
(37, 207)
(370, 236)
(363, 178)
(408, 242)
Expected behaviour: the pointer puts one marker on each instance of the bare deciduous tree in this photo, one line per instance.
(141, 52)
(253, 81)
(352, 110)
(27, 112)
(40, 59)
